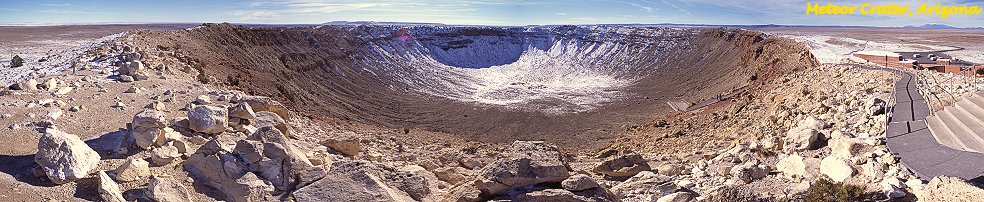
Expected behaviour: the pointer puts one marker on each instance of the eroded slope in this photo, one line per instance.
(394, 76)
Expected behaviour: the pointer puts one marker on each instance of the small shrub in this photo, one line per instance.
(827, 190)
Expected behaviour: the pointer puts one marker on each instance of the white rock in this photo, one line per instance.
(915, 184)
(145, 137)
(167, 190)
(676, 197)
(792, 167)
(208, 119)
(164, 155)
(802, 139)
(64, 157)
(54, 114)
(203, 100)
(133, 170)
(835, 168)
(109, 191)
(579, 182)
(64, 90)
(51, 85)
(892, 192)
(346, 143)
(685, 183)
(845, 148)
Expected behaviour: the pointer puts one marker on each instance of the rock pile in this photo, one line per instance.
(130, 68)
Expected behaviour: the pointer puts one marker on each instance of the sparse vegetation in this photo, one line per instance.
(827, 190)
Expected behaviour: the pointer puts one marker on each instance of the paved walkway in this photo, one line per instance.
(911, 141)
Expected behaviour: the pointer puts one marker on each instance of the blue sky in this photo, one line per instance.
(486, 12)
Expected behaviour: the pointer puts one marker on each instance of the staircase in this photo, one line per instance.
(961, 126)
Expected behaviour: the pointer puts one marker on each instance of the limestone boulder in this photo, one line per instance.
(208, 119)
(677, 197)
(145, 137)
(645, 182)
(452, 175)
(562, 195)
(670, 169)
(579, 182)
(347, 143)
(243, 111)
(109, 191)
(622, 166)
(202, 100)
(266, 104)
(167, 190)
(749, 171)
(133, 170)
(836, 168)
(265, 118)
(845, 148)
(147, 128)
(281, 160)
(365, 181)
(526, 163)
(164, 155)
(792, 167)
(64, 157)
(223, 171)
(802, 139)
(134, 70)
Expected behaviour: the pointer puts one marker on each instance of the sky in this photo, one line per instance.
(481, 12)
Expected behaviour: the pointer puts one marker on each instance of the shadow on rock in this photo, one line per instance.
(20, 167)
(88, 189)
(203, 188)
(106, 145)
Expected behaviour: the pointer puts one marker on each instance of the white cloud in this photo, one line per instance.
(560, 13)
(71, 11)
(57, 5)
(685, 11)
(647, 8)
(315, 6)
(256, 15)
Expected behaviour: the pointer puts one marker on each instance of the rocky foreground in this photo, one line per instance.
(176, 139)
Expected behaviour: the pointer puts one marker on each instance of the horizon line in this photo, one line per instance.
(435, 23)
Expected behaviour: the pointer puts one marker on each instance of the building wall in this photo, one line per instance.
(955, 69)
(889, 61)
(941, 66)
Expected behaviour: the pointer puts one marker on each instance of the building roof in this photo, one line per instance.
(878, 53)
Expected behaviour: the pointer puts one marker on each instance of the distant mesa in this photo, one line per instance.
(932, 26)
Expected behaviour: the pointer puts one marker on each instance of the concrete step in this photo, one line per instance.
(969, 123)
(953, 119)
(977, 99)
(943, 134)
(976, 111)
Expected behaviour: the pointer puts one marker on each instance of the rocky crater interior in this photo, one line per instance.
(565, 84)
